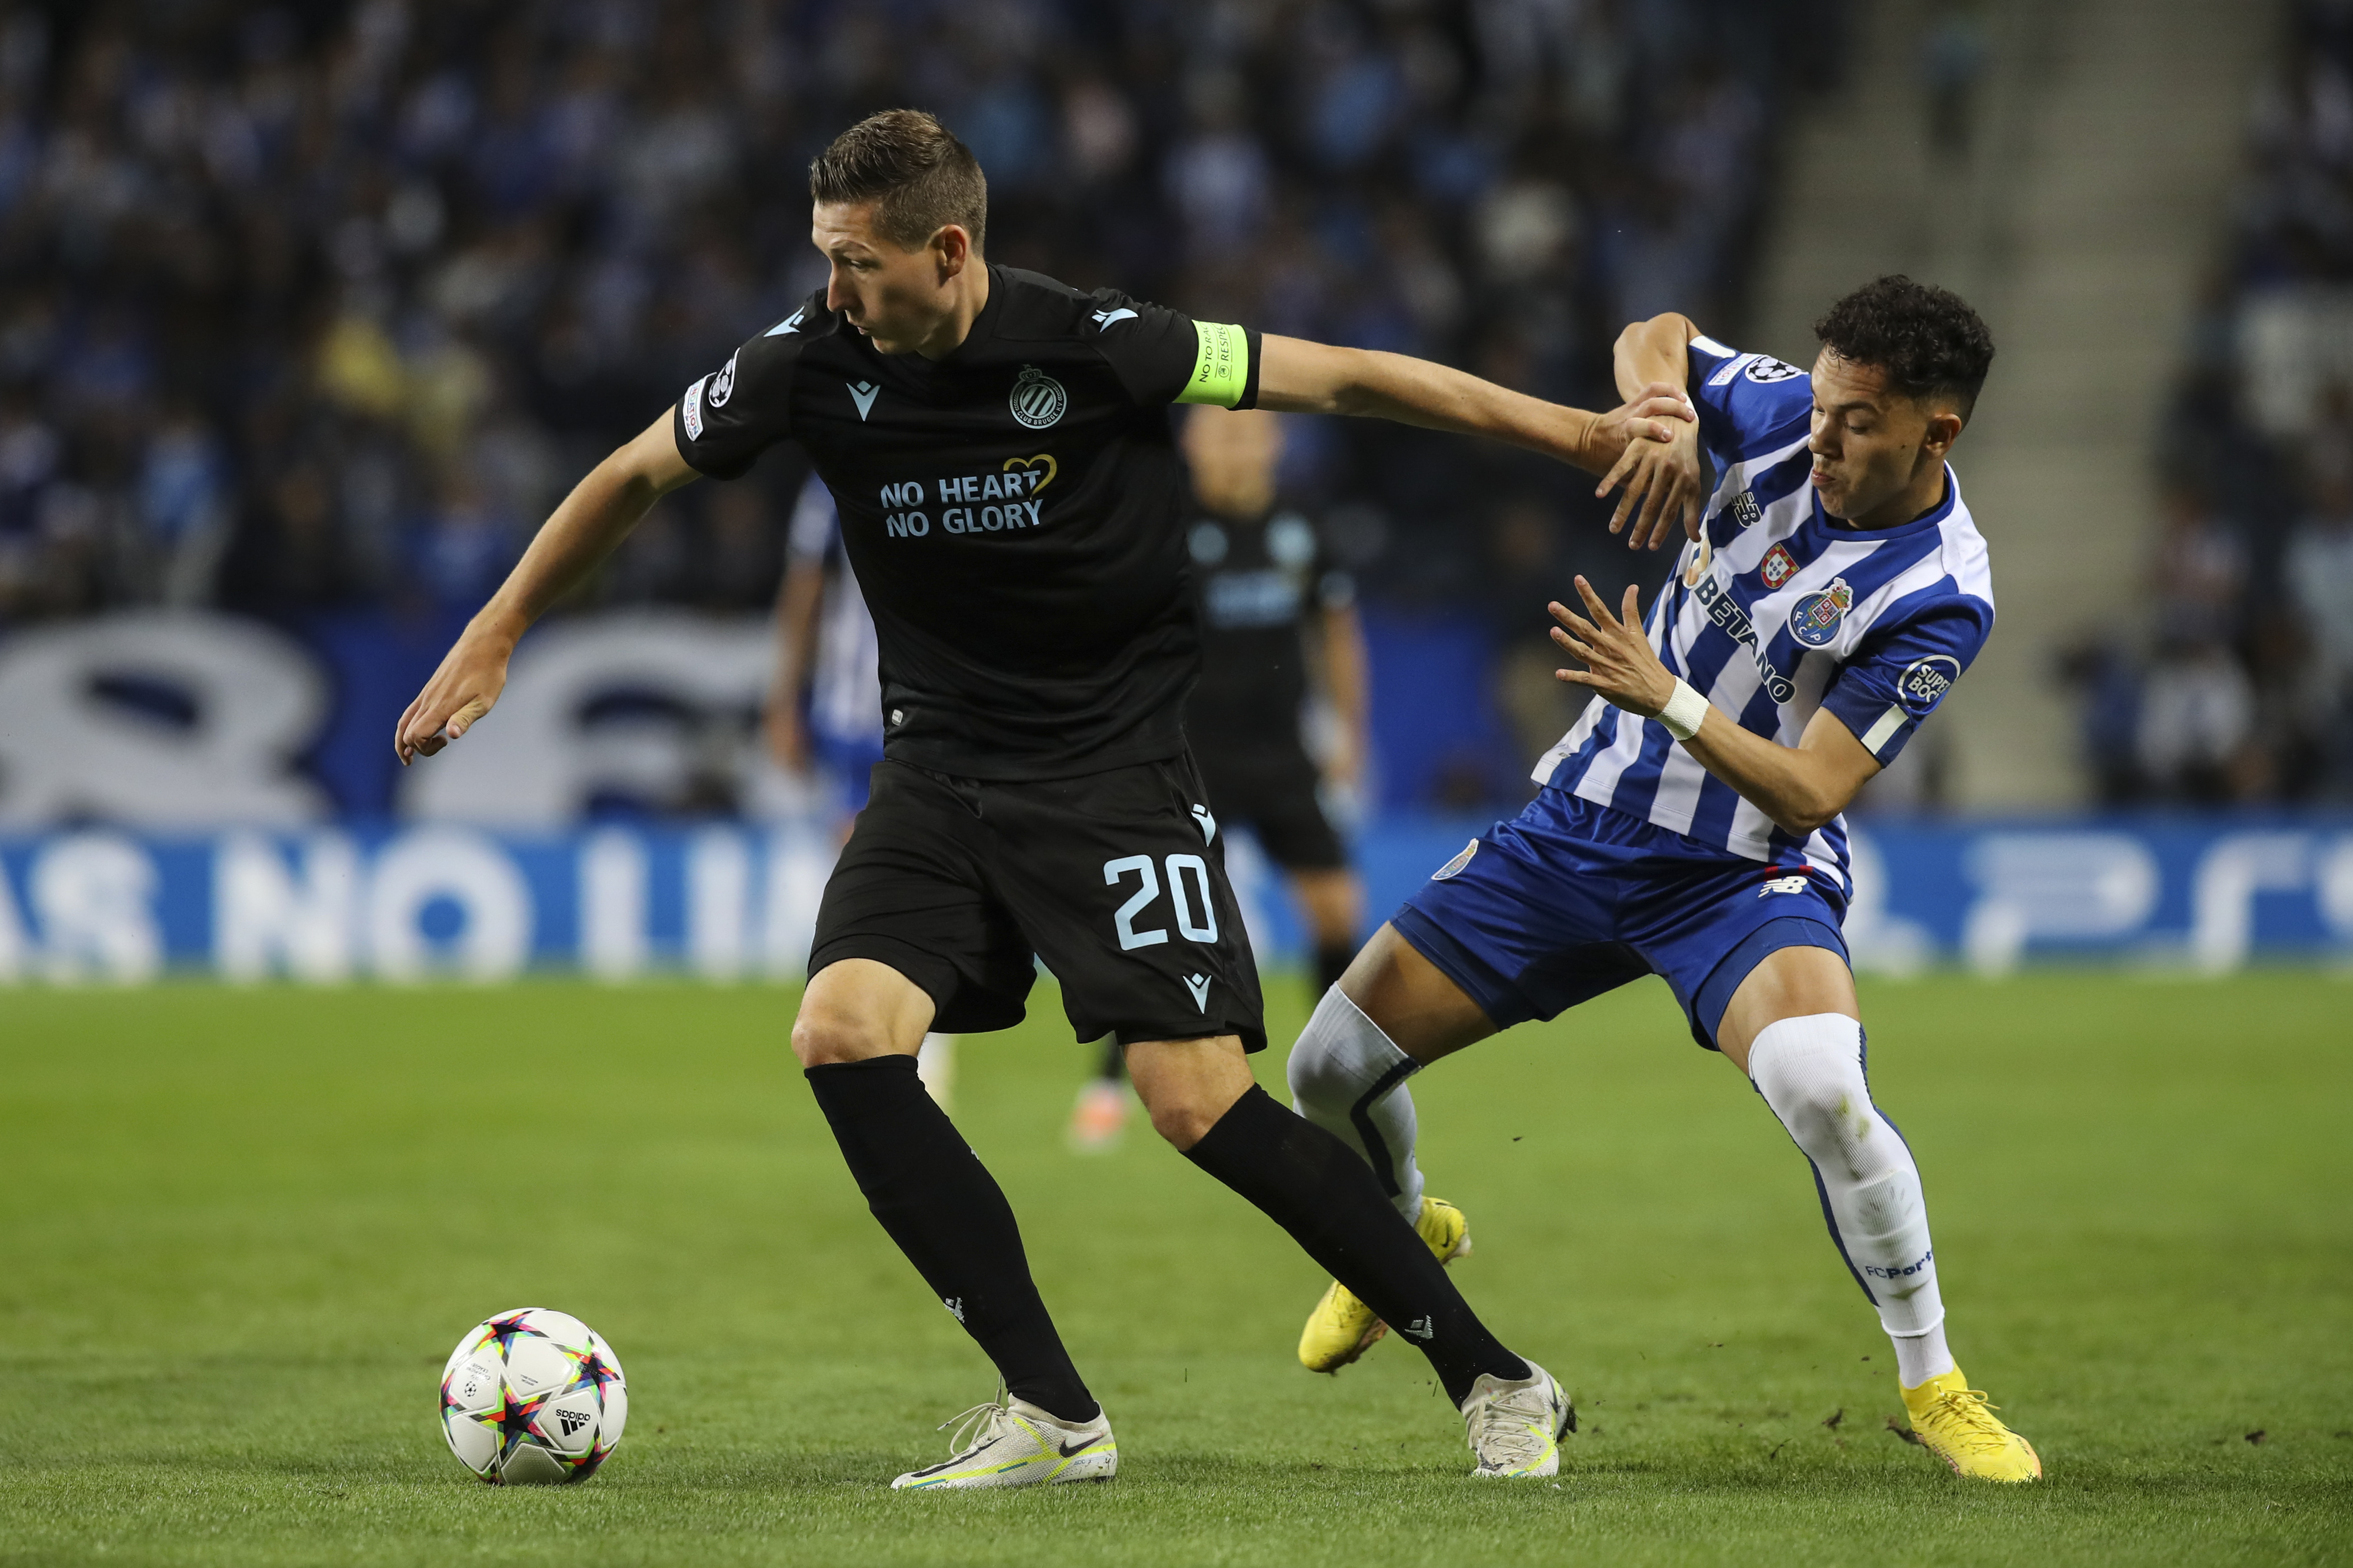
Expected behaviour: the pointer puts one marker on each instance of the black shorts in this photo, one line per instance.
(1272, 787)
(1116, 880)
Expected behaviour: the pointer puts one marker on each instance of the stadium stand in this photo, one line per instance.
(309, 312)
(2240, 686)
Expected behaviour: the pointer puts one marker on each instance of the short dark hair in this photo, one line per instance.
(905, 160)
(1926, 339)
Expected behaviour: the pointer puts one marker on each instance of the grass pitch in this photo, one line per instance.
(242, 1230)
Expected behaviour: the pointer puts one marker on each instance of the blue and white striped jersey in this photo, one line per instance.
(1778, 610)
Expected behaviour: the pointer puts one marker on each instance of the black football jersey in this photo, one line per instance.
(1014, 513)
(1258, 580)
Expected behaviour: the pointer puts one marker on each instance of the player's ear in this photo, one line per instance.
(1944, 428)
(952, 247)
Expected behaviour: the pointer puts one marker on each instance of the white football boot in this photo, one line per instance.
(1012, 1443)
(1515, 1427)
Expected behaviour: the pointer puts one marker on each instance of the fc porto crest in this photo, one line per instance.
(1815, 619)
(1037, 398)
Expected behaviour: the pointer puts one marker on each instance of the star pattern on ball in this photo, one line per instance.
(508, 1328)
(589, 1368)
(515, 1419)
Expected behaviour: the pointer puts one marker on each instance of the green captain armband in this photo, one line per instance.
(1220, 365)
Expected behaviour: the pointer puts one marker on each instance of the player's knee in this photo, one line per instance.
(1313, 1069)
(1185, 1120)
(823, 1037)
(1810, 1072)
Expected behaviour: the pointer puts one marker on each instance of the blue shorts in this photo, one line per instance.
(1571, 899)
(851, 760)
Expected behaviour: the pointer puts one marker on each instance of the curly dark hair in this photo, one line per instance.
(1926, 339)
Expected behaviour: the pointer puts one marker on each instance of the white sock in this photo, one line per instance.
(936, 1068)
(1919, 1357)
(1348, 1078)
(1810, 1072)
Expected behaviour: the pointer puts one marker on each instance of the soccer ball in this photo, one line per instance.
(532, 1397)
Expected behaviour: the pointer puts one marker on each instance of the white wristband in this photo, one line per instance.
(1684, 711)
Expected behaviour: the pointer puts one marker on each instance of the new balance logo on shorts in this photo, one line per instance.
(1783, 885)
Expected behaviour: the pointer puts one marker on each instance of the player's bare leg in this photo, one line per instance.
(1204, 1102)
(860, 1028)
(1795, 1028)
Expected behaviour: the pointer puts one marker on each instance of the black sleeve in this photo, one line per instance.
(1163, 356)
(731, 416)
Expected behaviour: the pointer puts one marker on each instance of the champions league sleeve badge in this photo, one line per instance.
(1815, 619)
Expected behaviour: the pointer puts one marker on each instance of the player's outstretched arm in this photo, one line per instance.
(585, 529)
(1662, 480)
(1800, 787)
(1296, 376)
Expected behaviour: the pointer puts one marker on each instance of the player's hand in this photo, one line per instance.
(1662, 484)
(472, 675)
(1657, 414)
(1619, 661)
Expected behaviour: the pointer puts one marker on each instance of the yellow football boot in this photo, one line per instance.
(1343, 1328)
(1954, 1422)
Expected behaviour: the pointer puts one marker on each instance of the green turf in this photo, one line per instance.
(242, 1230)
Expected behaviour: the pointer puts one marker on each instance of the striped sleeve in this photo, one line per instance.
(1745, 401)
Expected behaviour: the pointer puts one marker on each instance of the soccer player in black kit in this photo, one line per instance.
(998, 446)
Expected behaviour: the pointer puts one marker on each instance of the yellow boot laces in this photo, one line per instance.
(1965, 1414)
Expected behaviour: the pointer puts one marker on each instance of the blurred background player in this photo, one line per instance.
(1278, 621)
(825, 710)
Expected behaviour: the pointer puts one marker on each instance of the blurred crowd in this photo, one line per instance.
(2241, 688)
(316, 306)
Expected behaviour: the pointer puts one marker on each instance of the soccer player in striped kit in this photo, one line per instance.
(1832, 590)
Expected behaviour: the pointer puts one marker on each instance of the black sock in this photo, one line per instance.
(949, 1217)
(1319, 1190)
(1332, 961)
(1115, 1060)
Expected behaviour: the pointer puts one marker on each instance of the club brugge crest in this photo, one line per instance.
(1779, 568)
(1816, 618)
(1037, 398)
